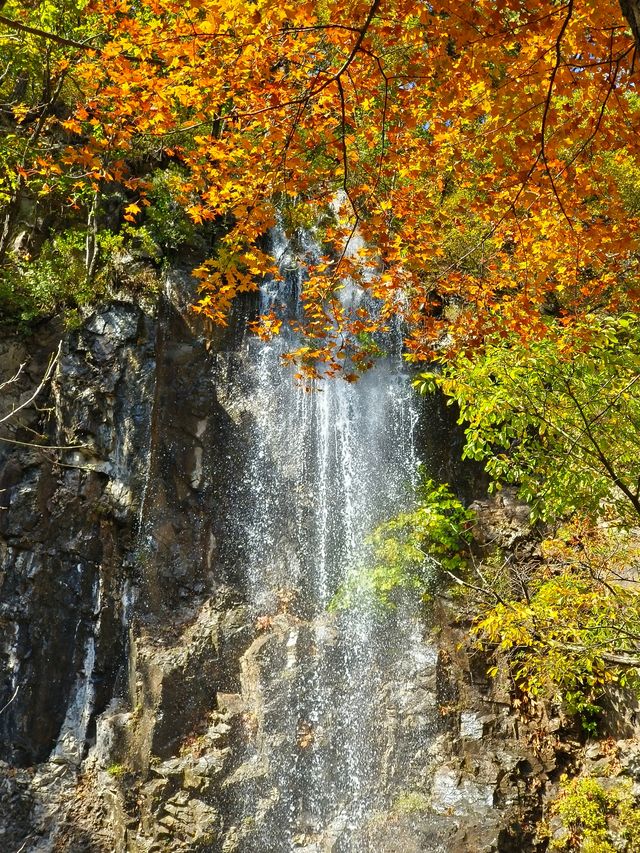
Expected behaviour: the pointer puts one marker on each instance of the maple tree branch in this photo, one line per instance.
(46, 110)
(352, 233)
(54, 37)
(354, 50)
(547, 107)
(12, 24)
(516, 118)
(363, 31)
(313, 27)
(312, 93)
(492, 230)
(611, 88)
(343, 141)
(383, 122)
(304, 100)
(285, 151)
(522, 241)
(511, 30)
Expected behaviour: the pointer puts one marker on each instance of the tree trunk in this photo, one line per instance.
(631, 11)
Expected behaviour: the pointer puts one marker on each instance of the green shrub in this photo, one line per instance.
(575, 632)
(42, 286)
(165, 218)
(596, 819)
(117, 770)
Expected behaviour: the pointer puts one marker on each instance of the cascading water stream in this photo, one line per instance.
(323, 469)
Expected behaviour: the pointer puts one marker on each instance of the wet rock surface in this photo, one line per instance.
(66, 535)
(108, 550)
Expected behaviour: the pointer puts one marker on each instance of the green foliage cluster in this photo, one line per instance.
(577, 630)
(596, 819)
(55, 279)
(117, 770)
(559, 416)
(627, 177)
(411, 802)
(165, 218)
(411, 551)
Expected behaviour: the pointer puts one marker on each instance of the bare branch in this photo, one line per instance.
(488, 592)
(15, 693)
(47, 376)
(14, 378)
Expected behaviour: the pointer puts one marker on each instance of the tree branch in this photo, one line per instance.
(34, 31)
(67, 42)
(547, 107)
(631, 11)
(47, 376)
(14, 378)
(606, 463)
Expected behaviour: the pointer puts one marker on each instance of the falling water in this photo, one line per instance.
(323, 469)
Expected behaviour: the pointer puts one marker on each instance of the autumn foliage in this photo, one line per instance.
(480, 158)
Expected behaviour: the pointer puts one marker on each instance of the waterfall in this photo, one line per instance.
(322, 469)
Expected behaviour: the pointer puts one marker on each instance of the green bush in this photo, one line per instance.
(596, 819)
(559, 416)
(34, 288)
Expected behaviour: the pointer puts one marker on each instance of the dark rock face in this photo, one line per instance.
(117, 626)
(66, 533)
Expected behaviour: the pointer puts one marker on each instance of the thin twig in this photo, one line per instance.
(547, 107)
(47, 376)
(14, 378)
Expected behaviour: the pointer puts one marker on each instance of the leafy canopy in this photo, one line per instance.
(559, 416)
(477, 146)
